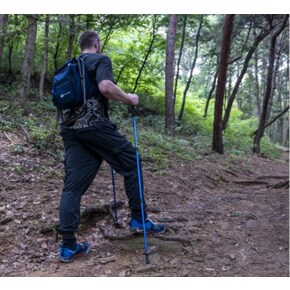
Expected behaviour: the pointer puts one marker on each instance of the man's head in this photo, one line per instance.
(90, 41)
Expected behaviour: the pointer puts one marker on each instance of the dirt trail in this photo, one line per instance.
(226, 216)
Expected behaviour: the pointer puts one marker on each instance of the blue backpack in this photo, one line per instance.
(71, 89)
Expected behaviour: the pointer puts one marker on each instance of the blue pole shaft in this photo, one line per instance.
(140, 189)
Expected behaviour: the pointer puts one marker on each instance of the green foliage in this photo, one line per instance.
(238, 136)
(126, 40)
(193, 121)
(39, 126)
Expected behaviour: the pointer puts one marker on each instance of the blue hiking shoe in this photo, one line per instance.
(150, 227)
(67, 255)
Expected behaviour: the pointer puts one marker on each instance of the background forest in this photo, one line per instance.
(208, 84)
(172, 62)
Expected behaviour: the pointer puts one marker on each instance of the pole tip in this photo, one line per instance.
(147, 258)
(117, 225)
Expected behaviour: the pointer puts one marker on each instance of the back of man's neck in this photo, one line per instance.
(89, 51)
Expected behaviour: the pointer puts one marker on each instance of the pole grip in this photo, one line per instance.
(133, 110)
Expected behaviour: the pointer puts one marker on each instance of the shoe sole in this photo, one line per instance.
(75, 256)
(140, 231)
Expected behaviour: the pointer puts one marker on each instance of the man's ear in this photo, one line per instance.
(96, 45)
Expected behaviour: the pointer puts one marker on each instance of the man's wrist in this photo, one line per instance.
(127, 98)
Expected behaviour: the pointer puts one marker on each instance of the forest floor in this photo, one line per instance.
(225, 216)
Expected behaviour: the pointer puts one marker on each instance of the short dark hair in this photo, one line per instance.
(87, 39)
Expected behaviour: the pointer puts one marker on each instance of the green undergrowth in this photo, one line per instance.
(38, 125)
(191, 141)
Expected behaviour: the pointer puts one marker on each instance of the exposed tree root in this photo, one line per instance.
(134, 235)
(283, 184)
(86, 215)
(250, 182)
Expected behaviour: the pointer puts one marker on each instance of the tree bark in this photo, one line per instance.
(179, 57)
(217, 144)
(210, 93)
(274, 119)
(71, 36)
(10, 50)
(55, 56)
(45, 57)
(263, 120)
(3, 31)
(27, 64)
(273, 85)
(169, 74)
(191, 70)
(11, 46)
(257, 95)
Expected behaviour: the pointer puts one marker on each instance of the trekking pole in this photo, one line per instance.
(117, 224)
(134, 113)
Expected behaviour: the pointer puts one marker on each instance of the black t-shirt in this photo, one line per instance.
(99, 68)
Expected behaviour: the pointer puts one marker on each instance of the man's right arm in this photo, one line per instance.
(113, 92)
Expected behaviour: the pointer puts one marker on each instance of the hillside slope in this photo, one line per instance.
(226, 216)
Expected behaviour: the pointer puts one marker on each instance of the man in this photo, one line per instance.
(90, 140)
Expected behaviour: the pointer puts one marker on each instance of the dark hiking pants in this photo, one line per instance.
(85, 149)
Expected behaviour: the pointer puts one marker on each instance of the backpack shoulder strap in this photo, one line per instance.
(81, 65)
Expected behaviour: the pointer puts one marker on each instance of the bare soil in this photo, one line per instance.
(225, 216)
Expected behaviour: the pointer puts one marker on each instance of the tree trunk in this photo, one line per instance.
(179, 57)
(275, 118)
(108, 35)
(285, 101)
(45, 57)
(280, 103)
(273, 85)
(217, 144)
(191, 70)
(71, 36)
(3, 32)
(263, 120)
(11, 46)
(285, 134)
(10, 50)
(55, 56)
(169, 74)
(241, 76)
(27, 64)
(258, 103)
(122, 69)
(210, 93)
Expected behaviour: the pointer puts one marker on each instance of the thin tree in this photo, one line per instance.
(210, 93)
(278, 53)
(179, 57)
(169, 74)
(191, 69)
(45, 57)
(217, 144)
(213, 86)
(27, 64)
(263, 119)
(274, 119)
(248, 57)
(56, 51)
(71, 36)
(147, 54)
(3, 31)
(113, 21)
(258, 103)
